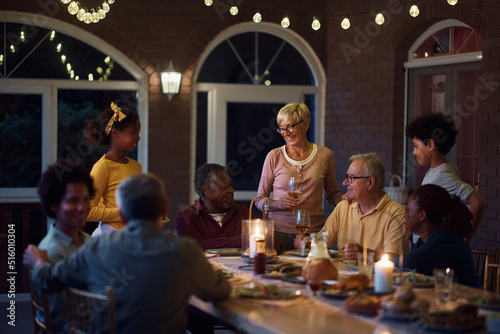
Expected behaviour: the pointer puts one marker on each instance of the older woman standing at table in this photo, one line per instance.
(312, 165)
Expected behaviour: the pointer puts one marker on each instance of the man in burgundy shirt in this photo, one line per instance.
(214, 220)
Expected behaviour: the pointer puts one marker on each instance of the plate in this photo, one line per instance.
(470, 326)
(225, 251)
(271, 291)
(485, 302)
(298, 252)
(236, 279)
(416, 280)
(331, 294)
(394, 315)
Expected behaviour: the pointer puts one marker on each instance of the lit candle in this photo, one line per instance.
(253, 241)
(384, 270)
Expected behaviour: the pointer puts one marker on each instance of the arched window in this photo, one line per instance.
(52, 78)
(444, 77)
(246, 74)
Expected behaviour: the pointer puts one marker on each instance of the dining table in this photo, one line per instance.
(307, 313)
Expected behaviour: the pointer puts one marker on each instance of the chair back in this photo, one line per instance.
(90, 312)
(492, 280)
(40, 303)
(481, 260)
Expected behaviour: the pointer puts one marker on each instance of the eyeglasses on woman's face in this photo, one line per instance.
(351, 178)
(288, 129)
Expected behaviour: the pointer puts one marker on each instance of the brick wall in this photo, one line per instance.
(364, 65)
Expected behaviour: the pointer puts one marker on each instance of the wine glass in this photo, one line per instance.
(302, 222)
(294, 190)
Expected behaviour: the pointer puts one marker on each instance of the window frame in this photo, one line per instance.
(49, 88)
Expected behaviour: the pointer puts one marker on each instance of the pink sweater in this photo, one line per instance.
(318, 174)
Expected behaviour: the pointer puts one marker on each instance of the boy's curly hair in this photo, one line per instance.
(435, 127)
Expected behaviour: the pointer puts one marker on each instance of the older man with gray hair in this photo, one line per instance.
(370, 218)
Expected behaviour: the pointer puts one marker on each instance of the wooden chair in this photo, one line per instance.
(40, 303)
(87, 312)
(492, 281)
(481, 259)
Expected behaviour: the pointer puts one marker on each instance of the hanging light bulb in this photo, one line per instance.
(101, 13)
(63, 59)
(68, 67)
(233, 10)
(73, 8)
(12, 49)
(23, 37)
(80, 14)
(52, 35)
(315, 24)
(414, 11)
(452, 2)
(91, 77)
(87, 18)
(111, 2)
(379, 19)
(59, 47)
(209, 3)
(65, 1)
(95, 17)
(345, 24)
(285, 23)
(105, 6)
(257, 17)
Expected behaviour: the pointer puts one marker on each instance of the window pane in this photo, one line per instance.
(34, 52)
(450, 41)
(265, 58)
(20, 140)
(248, 145)
(76, 106)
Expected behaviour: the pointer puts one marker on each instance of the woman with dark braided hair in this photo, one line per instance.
(119, 128)
(442, 222)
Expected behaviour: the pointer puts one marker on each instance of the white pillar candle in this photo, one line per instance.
(384, 270)
(253, 241)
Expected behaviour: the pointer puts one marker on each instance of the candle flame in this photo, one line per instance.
(385, 257)
(447, 270)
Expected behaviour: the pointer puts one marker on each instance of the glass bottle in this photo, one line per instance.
(265, 211)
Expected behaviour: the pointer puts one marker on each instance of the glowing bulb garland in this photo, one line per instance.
(94, 15)
(414, 11)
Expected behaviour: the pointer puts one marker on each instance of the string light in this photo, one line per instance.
(315, 24)
(452, 2)
(414, 11)
(257, 17)
(1, 59)
(233, 10)
(285, 23)
(52, 35)
(345, 24)
(94, 14)
(379, 18)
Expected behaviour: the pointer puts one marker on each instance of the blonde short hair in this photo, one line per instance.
(296, 111)
(373, 167)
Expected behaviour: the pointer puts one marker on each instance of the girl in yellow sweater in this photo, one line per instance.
(119, 128)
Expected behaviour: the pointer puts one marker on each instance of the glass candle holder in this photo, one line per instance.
(253, 230)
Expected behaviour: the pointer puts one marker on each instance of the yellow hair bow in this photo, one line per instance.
(117, 117)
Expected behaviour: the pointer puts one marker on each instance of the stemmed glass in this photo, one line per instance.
(294, 189)
(302, 222)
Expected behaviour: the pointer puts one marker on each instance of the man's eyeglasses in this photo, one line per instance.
(351, 178)
(289, 128)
